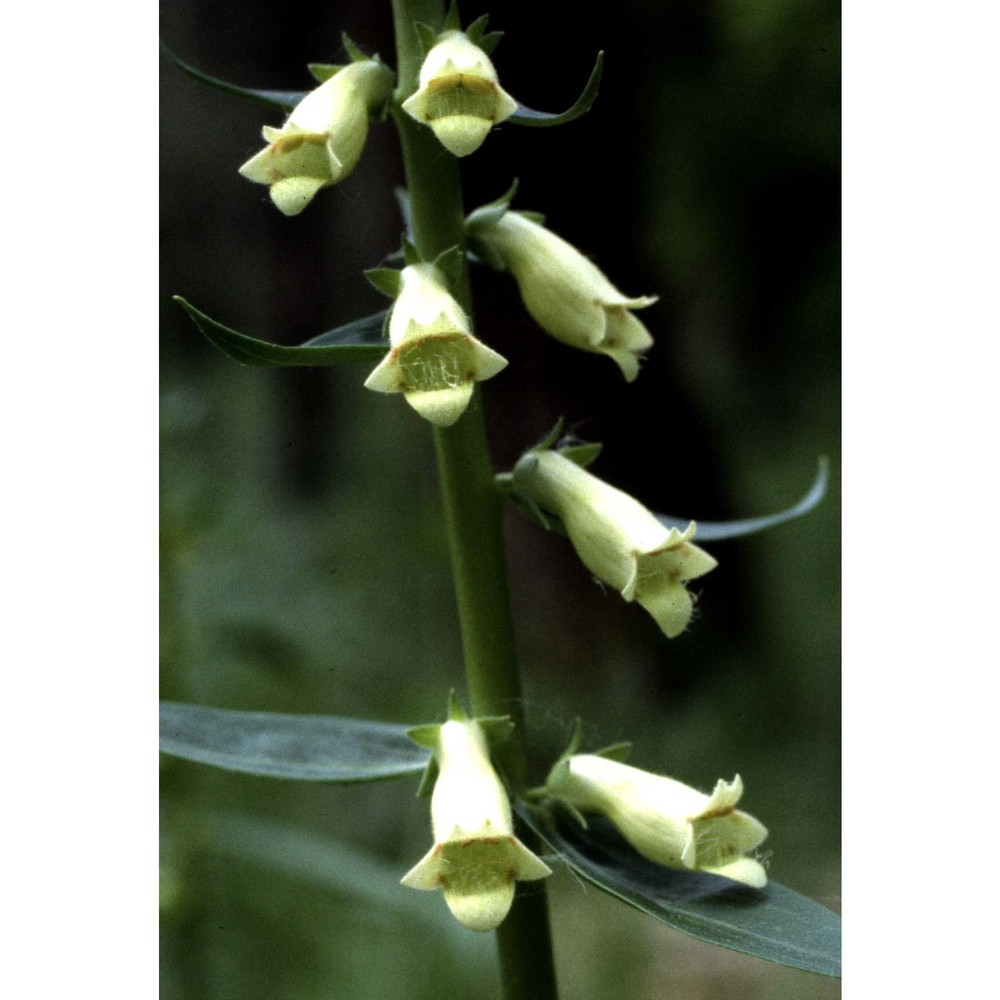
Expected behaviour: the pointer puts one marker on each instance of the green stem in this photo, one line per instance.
(472, 509)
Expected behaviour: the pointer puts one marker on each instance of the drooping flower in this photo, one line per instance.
(666, 821)
(566, 294)
(322, 140)
(459, 96)
(434, 359)
(617, 538)
(476, 859)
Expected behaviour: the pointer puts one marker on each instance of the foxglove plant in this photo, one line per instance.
(489, 826)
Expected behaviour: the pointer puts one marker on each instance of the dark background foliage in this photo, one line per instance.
(304, 566)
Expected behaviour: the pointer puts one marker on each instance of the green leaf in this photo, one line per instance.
(773, 923)
(285, 99)
(526, 116)
(713, 531)
(303, 747)
(361, 340)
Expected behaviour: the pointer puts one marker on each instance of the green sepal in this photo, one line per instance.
(456, 710)
(426, 735)
(474, 32)
(411, 255)
(582, 454)
(490, 41)
(284, 99)
(527, 116)
(497, 728)
(536, 217)
(362, 340)
(322, 72)
(451, 263)
(715, 531)
(428, 779)
(452, 21)
(616, 751)
(387, 280)
(477, 34)
(354, 50)
(427, 37)
(550, 439)
(491, 213)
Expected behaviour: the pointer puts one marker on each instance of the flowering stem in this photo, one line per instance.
(472, 510)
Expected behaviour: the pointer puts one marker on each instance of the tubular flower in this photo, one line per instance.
(665, 820)
(322, 140)
(565, 293)
(617, 538)
(434, 359)
(460, 96)
(475, 858)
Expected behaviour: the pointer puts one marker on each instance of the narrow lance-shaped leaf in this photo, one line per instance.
(303, 747)
(285, 99)
(772, 923)
(362, 340)
(542, 119)
(714, 531)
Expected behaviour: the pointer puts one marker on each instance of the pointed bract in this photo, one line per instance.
(617, 538)
(433, 359)
(322, 140)
(665, 820)
(459, 95)
(567, 294)
(476, 859)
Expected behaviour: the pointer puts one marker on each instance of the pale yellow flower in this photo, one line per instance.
(459, 96)
(322, 140)
(617, 538)
(433, 359)
(567, 294)
(476, 859)
(665, 820)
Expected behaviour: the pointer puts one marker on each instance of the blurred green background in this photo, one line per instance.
(304, 567)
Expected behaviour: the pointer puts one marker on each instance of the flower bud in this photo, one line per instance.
(460, 96)
(322, 140)
(666, 821)
(476, 858)
(434, 358)
(565, 293)
(617, 538)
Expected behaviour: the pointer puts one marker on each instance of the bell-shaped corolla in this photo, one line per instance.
(434, 359)
(459, 94)
(565, 293)
(322, 140)
(666, 821)
(617, 538)
(476, 859)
